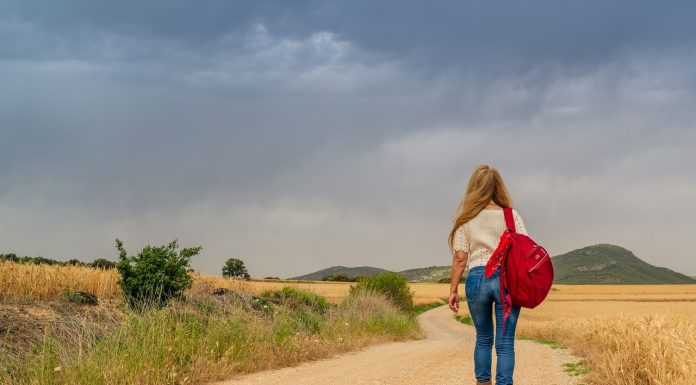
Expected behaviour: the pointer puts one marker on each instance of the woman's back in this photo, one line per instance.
(479, 237)
(473, 237)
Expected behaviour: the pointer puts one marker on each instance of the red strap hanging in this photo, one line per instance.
(497, 262)
(509, 220)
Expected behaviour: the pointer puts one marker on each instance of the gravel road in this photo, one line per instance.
(443, 358)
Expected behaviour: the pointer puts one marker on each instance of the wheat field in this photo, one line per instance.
(626, 334)
(49, 282)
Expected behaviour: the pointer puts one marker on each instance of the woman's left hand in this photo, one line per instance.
(453, 302)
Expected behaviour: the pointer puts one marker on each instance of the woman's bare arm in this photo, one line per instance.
(459, 259)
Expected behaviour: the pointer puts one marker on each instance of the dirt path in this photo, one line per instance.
(444, 357)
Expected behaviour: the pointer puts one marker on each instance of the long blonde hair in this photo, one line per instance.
(485, 184)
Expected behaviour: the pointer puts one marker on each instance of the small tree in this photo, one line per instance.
(156, 275)
(102, 263)
(234, 268)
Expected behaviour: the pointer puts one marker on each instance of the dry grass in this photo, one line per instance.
(202, 339)
(45, 339)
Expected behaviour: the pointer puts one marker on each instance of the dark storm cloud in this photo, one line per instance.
(303, 134)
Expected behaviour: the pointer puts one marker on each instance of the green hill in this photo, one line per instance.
(610, 264)
(349, 271)
(598, 264)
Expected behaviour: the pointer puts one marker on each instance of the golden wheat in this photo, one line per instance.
(45, 282)
(624, 348)
(627, 335)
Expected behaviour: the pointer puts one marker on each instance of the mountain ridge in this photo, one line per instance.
(596, 264)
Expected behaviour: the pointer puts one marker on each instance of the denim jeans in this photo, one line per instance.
(482, 297)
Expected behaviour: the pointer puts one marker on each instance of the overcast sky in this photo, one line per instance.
(297, 135)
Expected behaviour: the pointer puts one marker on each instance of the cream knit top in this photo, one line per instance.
(480, 236)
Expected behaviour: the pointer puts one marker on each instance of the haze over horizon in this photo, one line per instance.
(297, 136)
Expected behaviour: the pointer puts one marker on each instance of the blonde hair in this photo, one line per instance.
(485, 184)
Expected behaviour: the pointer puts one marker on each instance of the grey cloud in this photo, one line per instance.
(301, 135)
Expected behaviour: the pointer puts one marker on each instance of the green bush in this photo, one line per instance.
(292, 296)
(394, 286)
(102, 263)
(156, 275)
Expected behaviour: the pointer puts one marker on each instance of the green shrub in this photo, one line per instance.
(292, 296)
(394, 286)
(310, 321)
(156, 275)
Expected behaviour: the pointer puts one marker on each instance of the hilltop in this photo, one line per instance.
(611, 264)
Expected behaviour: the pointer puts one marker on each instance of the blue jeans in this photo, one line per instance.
(482, 296)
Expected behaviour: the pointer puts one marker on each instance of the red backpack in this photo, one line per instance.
(526, 272)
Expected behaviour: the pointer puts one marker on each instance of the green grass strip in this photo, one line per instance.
(544, 341)
(465, 319)
(576, 368)
(422, 308)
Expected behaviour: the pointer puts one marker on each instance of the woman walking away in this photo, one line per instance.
(475, 234)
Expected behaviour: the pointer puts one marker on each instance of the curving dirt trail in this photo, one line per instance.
(443, 358)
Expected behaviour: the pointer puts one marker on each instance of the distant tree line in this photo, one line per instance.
(343, 277)
(100, 263)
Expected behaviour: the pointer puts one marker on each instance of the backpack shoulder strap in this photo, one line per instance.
(509, 220)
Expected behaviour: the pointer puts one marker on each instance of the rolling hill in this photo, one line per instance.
(610, 264)
(421, 274)
(598, 264)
